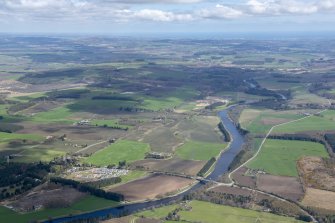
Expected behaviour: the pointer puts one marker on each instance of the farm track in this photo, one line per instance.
(90, 146)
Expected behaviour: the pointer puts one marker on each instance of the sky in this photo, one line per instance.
(166, 16)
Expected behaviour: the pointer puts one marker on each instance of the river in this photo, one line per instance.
(221, 167)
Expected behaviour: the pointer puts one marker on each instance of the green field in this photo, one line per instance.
(261, 121)
(200, 128)
(121, 150)
(132, 175)
(278, 157)
(29, 97)
(158, 213)
(88, 203)
(302, 96)
(209, 213)
(193, 150)
(4, 136)
(109, 123)
(60, 114)
(325, 121)
(30, 155)
(101, 106)
(156, 104)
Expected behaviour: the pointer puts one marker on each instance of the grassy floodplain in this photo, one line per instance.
(193, 150)
(88, 203)
(123, 150)
(278, 157)
(208, 213)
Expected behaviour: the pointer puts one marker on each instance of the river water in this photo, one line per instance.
(221, 168)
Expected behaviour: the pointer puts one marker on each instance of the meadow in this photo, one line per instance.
(36, 154)
(156, 104)
(323, 122)
(4, 136)
(59, 115)
(278, 157)
(207, 213)
(112, 123)
(260, 121)
(87, 203)
(193, 150)
(123, 150)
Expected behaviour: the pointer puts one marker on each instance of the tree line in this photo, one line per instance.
(83, 187)
(224, 132)
(207, 166)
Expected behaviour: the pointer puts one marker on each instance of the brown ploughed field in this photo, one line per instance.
(151, 187)
(175, 165)
(286, 187)
(319, 199)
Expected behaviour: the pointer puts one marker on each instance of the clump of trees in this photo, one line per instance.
(17, 178)
(84, 187)
(104, 182)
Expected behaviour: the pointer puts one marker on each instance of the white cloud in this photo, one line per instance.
(281, 7)
(148, 10)
(327, 4)
(161, 16)
(153, 1)
(40, 4)
(219, 12)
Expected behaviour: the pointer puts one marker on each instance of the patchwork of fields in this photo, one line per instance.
(148, 109)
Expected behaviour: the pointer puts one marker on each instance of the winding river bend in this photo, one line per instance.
(221, 168)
